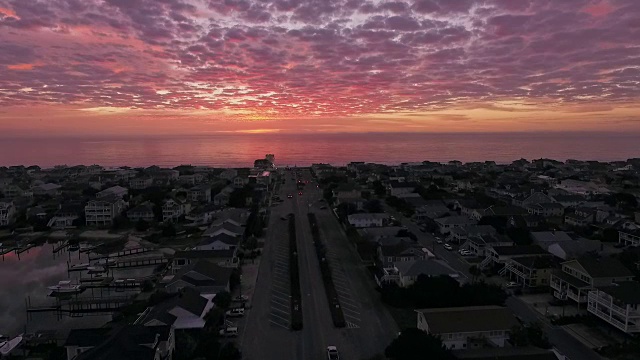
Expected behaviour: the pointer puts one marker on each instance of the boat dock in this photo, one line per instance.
(140, 262)
(60, 247)
(79, 306)
(123, 253)
(4, 251)
(25, 248)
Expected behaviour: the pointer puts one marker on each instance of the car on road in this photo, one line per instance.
(332, 353)
(300, 193)
(448, 247)
(511, 284)
(237, 312)
(465, 253)
(290, 196)
(241, 298)
(438, 240)
(231, 331)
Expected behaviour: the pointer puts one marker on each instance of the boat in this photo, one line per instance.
(8, 346)
(81, 266)
(66, 287)
(74, 247)
(107, 261)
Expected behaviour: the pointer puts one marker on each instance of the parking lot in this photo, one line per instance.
(280, 314)
(341, 281)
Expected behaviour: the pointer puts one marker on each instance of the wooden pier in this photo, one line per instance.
(4, 251)
(123, 253)
(140, 262)
(78, 306)
(25, 248)
(60, 247)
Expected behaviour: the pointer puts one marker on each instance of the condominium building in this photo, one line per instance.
(101, 212)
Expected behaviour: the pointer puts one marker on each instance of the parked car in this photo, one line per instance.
(448, 247)
(511, 284)
(241, 298)
(300, 193)
(231, 331)
(332, 353)
(290, 196)
(237, 312)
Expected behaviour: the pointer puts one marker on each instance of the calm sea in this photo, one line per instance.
(237, 150)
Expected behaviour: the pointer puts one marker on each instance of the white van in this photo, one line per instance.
(229, 332)
(237, 312)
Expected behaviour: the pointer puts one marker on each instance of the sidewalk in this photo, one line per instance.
(249, 277)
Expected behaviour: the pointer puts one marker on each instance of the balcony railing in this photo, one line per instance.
(560, 295)
(574, 296)
(605, 301)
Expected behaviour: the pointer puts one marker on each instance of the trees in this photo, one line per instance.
(142, 225)
(378, 188)
(168, 230)
(520, 236)
(415, 344)
(222, 299)
(373, 206)
(529, 334)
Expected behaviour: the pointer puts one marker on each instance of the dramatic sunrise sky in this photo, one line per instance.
(115, 67)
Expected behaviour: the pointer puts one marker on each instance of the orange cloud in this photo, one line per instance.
(21, 66)
(8, 13)
(600, 9)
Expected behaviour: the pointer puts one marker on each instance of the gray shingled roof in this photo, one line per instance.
(469, 319)
(625, 291)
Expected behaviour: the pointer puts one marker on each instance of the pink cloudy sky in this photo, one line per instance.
(207, 66)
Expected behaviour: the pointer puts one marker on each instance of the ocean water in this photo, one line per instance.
(238, 150)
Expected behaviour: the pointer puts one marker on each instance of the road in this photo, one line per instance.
(266, 333)
(564, 342)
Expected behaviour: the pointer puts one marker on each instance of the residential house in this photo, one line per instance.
(7, 212)
(222, 198)
(101, 212)
(205, 214)
(142, 212)
(629, 236)
(500, 255)
(581, 187)
(368, 220)
(188, 309)
(12, 191)
(46, 189)
(537, 198)
(222, 241)
(468, 327)
(228, 174)
(348, 190)
(226, 228)
(141, 183)
(569, 200)
(529, 271)
(114, 191)
(357, 201)
(397, 249)
(406, 273)
(480, 243)
(506, 211)
(396, 188)
(579, 276)
(200, 194)
(446, 224)
(226, 258)
(431, 211)
(173, 209)
(526, 221)
(617, 304)
(582, 217)
(461, 234)
(567, 250)
(240, 181)
(204, 276)
(65, 216)
(547, 238)
(129, 342)
(545, 209)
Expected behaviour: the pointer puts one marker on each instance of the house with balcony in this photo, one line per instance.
(226, 258)
(479, 244)
(221, 241)
(545, 209)
(65, 216)
(582, 217)
(577, 277)
(173, 209)
(114, 191)
(7, 212)
(204, 276)
(397, 188)
(368, 219)
(222, 198)
(101, 212)
(200, 194)
(530, 271)
(141, 183)
(49, 189)
(617, 304)
(447, 223)
(468, 327)
(142, 212)
(629, 237)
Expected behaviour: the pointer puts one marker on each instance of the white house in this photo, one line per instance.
(617, 304)
(172, 209)
(201, 194)
(141, 183)
(368, 220)
(468, 327)
(221, 241)
(101, 212)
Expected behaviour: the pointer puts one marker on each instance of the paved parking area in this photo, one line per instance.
(280, 302)
(350, 307)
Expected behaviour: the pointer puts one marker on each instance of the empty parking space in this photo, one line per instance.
(350, 306)
(280, 303)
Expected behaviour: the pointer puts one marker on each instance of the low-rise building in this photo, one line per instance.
(142, 212)
(579, 276)
(7, 212)
(530, 271)
(545, 209)
(446, 224)
(101, 212)
(221, 241)
(617, 304)
(141, 183)
(46, 189)
(200, 194)
(406, 273)
(173, 209)
(397, 188)
(468, 327)
(204, 276)
(395, 249)
(629, 237)
(65, 216)
(114, 191)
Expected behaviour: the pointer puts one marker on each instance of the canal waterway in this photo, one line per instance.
(26, 277)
